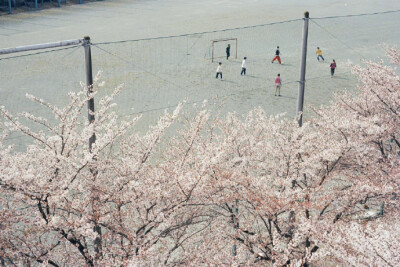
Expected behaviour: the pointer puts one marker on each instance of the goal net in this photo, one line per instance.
(218, 48)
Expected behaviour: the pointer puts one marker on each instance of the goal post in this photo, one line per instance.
(218, 48)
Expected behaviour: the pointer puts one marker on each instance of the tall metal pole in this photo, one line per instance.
(302, 81)
(212, 56)
(92, 139)
(36, 5)
(89, 84)
(9, 6)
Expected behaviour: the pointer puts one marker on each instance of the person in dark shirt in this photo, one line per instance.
(333, 67)
(228, 51)
(277, 57)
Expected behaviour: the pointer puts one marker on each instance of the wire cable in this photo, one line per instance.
(247, 27)
(337, 39)
(141, 68)
(198, 33)
(359, 15)
(73, 51)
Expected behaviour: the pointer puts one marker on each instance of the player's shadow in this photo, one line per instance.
(341, 78)
(283, 96)
(251, 76)
(228, 81)
(286, 64)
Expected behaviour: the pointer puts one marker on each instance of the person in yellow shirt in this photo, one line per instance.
(319, 54)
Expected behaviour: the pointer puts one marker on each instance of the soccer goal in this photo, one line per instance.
(218, 48)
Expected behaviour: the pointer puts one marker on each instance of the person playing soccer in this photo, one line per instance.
(278, 83)
(243, 72)
(277, 57)
(333, 67)
(228, 51)
(319, 54)
(219, 71)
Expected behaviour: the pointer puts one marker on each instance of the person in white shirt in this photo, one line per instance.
(243, 66)
(219, 71)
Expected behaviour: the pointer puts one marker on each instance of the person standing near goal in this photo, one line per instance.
(243, 72)
(228, 51)
(277, 57)
(219, 71)
(278, 83)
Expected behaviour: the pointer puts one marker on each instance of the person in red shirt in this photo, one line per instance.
(333, 67)
(278, 83)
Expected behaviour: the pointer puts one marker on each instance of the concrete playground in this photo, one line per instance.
(159, 73)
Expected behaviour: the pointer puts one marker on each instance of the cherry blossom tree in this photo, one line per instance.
(291, 196)
(63, 204)
(223, 190)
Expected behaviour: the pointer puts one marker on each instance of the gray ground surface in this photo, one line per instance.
(160, 73)
(133, 19)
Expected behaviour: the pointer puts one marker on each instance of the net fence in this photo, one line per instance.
(159, 73)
